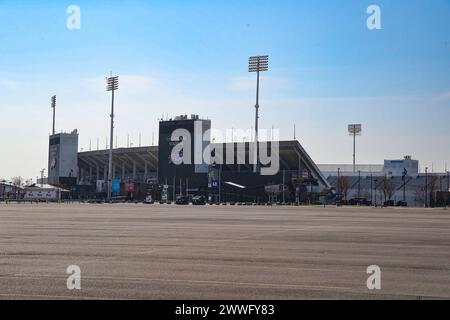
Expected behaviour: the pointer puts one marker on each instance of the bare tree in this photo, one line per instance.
(388, 187)
(432, 183)
(365, 193)
(17, 183)
(432, 188)
(419, 196)
(343, 185)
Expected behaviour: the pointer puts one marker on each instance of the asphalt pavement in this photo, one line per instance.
(137, 251)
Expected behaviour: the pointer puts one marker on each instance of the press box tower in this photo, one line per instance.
(63, 159)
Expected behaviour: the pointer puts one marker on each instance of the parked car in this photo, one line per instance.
(365, 202)
(360, 202)
(199, 201)
(389, 203)
(182, 200)
(402, 203)
(342, 203)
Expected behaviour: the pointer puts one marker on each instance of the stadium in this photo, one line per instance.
(140, 171)
(149, 170)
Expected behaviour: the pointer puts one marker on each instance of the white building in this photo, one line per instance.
(396, 167)
(369, 181)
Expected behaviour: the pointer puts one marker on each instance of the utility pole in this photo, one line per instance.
(112, 84)
(359, 184)
(376, 182)
(426, 187)
(405, 172)
(187, 187)
(174, 190)
(371, 188)
(220, 183)
(448, 189)
(338, 187)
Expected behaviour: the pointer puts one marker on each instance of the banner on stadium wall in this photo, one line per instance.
(129, 187)
(305, 174)
(101, 187)
(275, 189)
(41, 195)
(115, 187)
(165, 193)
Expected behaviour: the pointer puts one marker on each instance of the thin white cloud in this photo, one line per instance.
(8, 84)
(346, 101)
(442, 97)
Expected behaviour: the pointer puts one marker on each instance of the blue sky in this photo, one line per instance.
(326, 70)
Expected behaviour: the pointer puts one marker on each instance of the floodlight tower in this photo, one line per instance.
(112, 84)
(354, 130)
(53, 107)
(257, 64)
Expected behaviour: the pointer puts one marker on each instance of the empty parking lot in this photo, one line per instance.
(136, 251)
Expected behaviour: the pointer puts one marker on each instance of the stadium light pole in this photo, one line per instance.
(54, 113)
(354, 130)
(257, 64)
(112, 84)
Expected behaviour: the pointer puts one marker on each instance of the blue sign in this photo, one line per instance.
(115, 186)
(215, 183)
